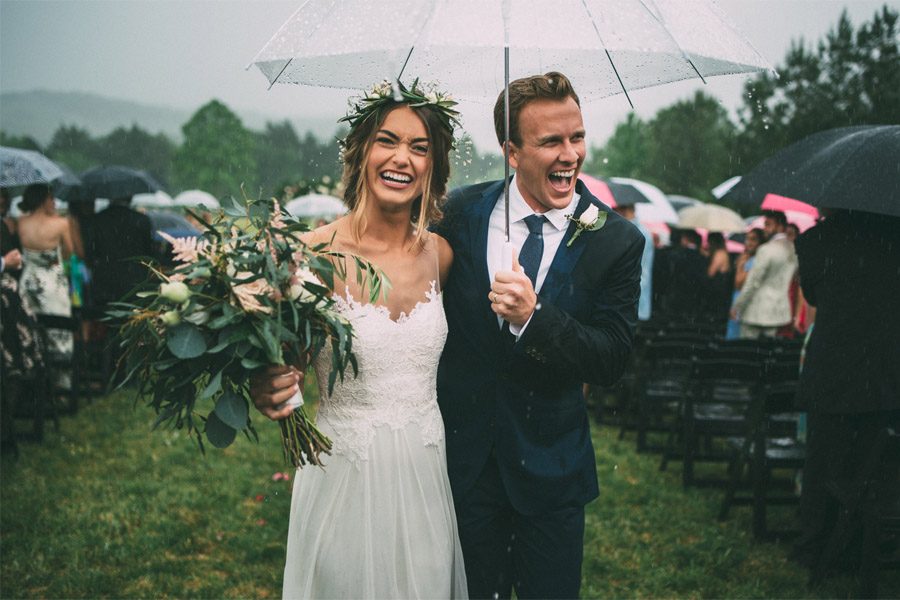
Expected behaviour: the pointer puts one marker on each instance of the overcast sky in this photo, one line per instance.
(182, 53)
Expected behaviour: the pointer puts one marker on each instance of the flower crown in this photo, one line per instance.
(385, 94)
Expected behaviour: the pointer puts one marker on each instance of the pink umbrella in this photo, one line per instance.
(599, 189)
(785, 204)
(802, 220)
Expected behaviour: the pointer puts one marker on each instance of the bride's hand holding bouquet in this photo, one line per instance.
(246, 294)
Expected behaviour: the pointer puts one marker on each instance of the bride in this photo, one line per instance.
(378, 520)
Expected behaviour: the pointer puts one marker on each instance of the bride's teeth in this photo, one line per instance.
(398, 177)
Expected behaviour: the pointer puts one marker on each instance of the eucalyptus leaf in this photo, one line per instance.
(232, 410)
(218, 432)
(185, 341)
(214, 385)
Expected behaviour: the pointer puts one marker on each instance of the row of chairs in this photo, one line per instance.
(696, 398)
(33, 400)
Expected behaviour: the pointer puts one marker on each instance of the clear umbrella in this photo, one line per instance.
(24, 167)
(474, 47)
(605, 46)
(157, 199)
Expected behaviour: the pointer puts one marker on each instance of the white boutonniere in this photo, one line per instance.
(590, 220)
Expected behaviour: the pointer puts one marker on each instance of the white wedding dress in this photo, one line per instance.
(378, 520)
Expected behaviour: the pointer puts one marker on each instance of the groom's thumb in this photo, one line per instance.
(515, 261)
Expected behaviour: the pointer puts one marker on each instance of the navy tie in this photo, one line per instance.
(533, 248)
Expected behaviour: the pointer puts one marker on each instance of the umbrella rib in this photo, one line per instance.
(405, 62)
(290, 60)
(606, 50)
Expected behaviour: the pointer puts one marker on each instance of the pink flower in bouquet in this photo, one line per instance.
(185, 249)
(246, 294)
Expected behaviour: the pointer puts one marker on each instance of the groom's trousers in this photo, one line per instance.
(537, 555)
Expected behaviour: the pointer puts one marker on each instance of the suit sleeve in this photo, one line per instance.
(597, 350)
(811, 266)
(754, 279)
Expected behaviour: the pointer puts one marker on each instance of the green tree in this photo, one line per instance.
(25, 142)
(74, 147)
(135, 147)
(217, 154)
(625, 152)
(278, 155)
(689, 147)
(849, 78)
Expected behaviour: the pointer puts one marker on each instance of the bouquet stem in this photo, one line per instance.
(301, 440)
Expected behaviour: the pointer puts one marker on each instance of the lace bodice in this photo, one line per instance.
(397, 378)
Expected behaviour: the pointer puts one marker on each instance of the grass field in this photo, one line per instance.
(106, 508)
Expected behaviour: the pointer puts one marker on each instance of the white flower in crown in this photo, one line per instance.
(380, 90)
(432, 97)
(589, 220)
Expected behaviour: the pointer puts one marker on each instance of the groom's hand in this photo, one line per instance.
(512, 296)
(271, 387)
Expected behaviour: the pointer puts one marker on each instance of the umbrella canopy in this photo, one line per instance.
(723, 188)
(678, 202)
(776, 202)
(710, 217)
(24, 167)
(316, 205)
(158, 199)
(606, 47)
(655, 208)
(197, 198)
(802, 220)
(115, 181)
(855, 168)
(172, 224)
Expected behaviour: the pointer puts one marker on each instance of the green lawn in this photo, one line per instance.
(106, 508)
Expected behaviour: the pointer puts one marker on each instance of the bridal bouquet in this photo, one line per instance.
(245, 294)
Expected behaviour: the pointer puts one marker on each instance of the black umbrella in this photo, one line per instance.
(856, 168)
(172, 224)
(68, 186)
(115, 181)
(625, 194)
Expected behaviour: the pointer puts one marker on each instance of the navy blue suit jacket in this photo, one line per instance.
(523, 399)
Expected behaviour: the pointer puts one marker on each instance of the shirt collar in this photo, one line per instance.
(518, 209)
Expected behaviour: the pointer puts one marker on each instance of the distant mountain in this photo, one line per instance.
(39, 113)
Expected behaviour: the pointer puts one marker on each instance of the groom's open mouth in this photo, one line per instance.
(561, 181)
(395, 179)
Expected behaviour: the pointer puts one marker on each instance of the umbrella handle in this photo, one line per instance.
(508, 252)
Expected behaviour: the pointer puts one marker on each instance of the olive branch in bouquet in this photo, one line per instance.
(245, 294)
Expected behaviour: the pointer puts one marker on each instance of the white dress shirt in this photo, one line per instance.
(553, 232)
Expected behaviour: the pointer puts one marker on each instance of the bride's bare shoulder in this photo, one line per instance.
(324, 234)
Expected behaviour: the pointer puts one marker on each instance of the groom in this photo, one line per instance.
(521, 343)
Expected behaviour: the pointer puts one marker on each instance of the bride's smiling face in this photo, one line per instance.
(398, 160)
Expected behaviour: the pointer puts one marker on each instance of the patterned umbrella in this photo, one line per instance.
(24, 167)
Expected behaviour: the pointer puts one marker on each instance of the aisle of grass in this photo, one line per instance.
(105, 508)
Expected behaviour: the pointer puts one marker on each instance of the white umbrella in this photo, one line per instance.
(658, 210)
(710, 217)
(316, 205)
(197, 198)
(724, 187)
(158, 199)
(24, 167)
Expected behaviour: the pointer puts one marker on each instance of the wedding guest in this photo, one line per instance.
(10, 246)
(850, 383)
(119, 237)
(47, 242)
(721, 278)
(763, 306)
(742, 267)
(682, 282)
(645, 304)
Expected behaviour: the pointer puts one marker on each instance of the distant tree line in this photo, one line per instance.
(851, 77)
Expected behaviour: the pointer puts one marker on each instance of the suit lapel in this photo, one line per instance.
(567, 256)
(478, 235)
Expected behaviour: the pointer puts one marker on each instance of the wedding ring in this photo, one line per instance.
(493, 297)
